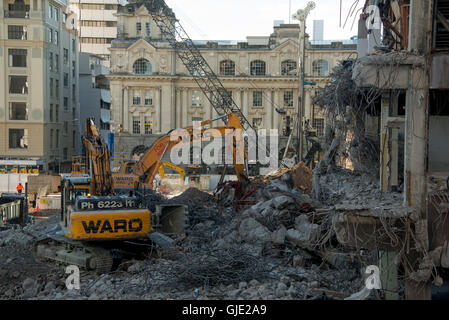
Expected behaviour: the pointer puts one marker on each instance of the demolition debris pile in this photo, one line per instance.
(283, 247)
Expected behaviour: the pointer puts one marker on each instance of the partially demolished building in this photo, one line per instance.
(406, 61)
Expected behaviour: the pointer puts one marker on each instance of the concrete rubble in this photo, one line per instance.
(282, 247)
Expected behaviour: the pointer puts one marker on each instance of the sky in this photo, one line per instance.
(237, 19)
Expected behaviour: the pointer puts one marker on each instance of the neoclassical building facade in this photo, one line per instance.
(153, 93)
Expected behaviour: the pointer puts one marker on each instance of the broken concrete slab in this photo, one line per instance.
(281, 202)
(252, 231)
(278, 236)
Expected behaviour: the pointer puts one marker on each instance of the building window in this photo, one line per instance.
(50, 11)
(50, 62)
(258, 68)
(196, 98)
(257, 123)
(66, 57)
(66, 79)
(64, 17)
(57, 62)
(74, 113)
(18, 111)
(18, 9)
(227, 68)
(148, 98)
(136, 124)
(51, 87)
(50, 35)
(73, 69)
(148, 29)
(138, 28)
(73, 45)
(66, 128)
(257, 99)
(287, 67)
(320, 68)
(96, 40)
(148, 125)
(64, 153)
(288, 98)
(66, 104)
(73, 139)
(56, 14)
(56, 36)
(18, 138)
(136, 97)
(57, 88)
(17, 33)
(142, 66)
(51, 138)
(57, 112)
(17, 58)
(318, 125)
(92, 23)
(73, 92)
(57, 139)
(18, 84)
(51, 112)
(287, 126)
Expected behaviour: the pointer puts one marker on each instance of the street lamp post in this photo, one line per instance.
(301, 15)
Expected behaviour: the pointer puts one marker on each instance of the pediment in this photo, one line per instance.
(141, 46)
(142, 11)
(288, 46)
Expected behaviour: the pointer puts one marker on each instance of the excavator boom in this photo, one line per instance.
(147, 168)
(98, 160)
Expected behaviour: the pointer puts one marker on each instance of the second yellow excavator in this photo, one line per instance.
(125, 179)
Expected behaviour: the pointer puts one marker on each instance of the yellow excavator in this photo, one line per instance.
(147, 168)
(174, 167)
(93, 218)
(125, 180)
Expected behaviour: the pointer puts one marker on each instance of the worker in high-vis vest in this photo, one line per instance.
(19, 188)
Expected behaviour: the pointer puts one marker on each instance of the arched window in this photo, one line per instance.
(258, 68)
(287, 67)
(142, 66)
(320, 68)
(227, 68)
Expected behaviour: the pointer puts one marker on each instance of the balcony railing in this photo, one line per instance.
(17, 14)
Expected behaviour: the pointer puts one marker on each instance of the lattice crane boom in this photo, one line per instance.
(197, 65)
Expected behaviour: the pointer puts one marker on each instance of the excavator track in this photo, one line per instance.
(103, 261)
(70, 252)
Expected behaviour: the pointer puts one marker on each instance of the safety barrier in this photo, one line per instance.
(10, 211)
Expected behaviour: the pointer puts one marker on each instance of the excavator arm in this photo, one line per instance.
(98, 160)
(147, 168)
(168, 165)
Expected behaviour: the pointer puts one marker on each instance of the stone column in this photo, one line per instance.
(185, 107)
(268, 106)
(125, 110)
(158, 104)
(208, 108)
(245, 103)
(238, 98)
(178, 108)
(275, 114)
